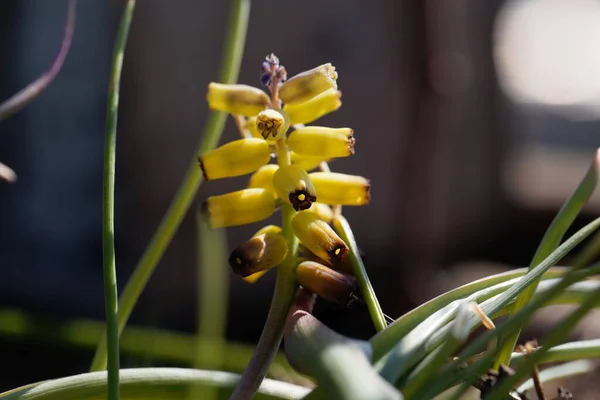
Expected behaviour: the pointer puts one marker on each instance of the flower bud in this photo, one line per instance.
(239, 208)
(271, 124)
(327, 283)
(235, 158)
(250, 126)
(315, 108)
(321, 141)
(319, 238)
(236, 99)
(265, 250)
(294, 187)
(306, 162)
(342, 189)
(263, 177)
(308, 84)
(322, 211)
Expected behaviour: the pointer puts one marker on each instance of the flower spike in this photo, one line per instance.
(308, 84)
(240, 208)
(236, 158)
(342, 189)
(266, 249)
(319, 238)
(315, 108)
(319, 141)
(236, 99)
(293, 185)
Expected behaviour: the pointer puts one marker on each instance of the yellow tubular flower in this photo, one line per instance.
(315, 108)
(342, 189)
(323, 211)
(271, 124)
(263, 177)
(265, 250)
(236, 158)
(308, 84)
(319, 238)
(327, 283)
(324, 142)
(294, 187)
(250, 125)
(306, 162)
(239, 208)
(236, 99)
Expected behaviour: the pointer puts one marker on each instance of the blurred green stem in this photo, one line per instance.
(108, 205)
(232, 57)
(213, 290)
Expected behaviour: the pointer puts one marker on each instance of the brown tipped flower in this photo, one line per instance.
(319, 238)
(308, 84)
(271, 124)
(240, 208)
(236, 99)
(306, 162)
(294, 187)
(315, 108)
(236, 158)
(327, 283)
(322, 142)
(265, 250)
(342, 189)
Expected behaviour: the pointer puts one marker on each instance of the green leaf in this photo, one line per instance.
(552, 238)
(147, 384)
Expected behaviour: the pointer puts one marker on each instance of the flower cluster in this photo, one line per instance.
(275, 125)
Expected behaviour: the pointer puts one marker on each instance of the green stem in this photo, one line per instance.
(342, 227)
(285, 285)
(108, 205)
(232, 57)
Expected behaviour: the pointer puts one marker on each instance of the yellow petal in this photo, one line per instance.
(263, 177)
(319, 141)
(236, 158)
(308, 84)
(306, 162)
(347, 190)
(236, 99)
(239, 208)
(315, 108)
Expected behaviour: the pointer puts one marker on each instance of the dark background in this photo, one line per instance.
(465, 176)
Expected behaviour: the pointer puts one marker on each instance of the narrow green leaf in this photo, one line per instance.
(562, 371)
(552, 238)
(148, 384)
(343, 228)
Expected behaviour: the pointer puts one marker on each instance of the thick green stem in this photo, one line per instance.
(108, 205)
(285, 285)
(232, 57)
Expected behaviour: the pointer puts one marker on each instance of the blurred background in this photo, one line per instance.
(474, 121)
